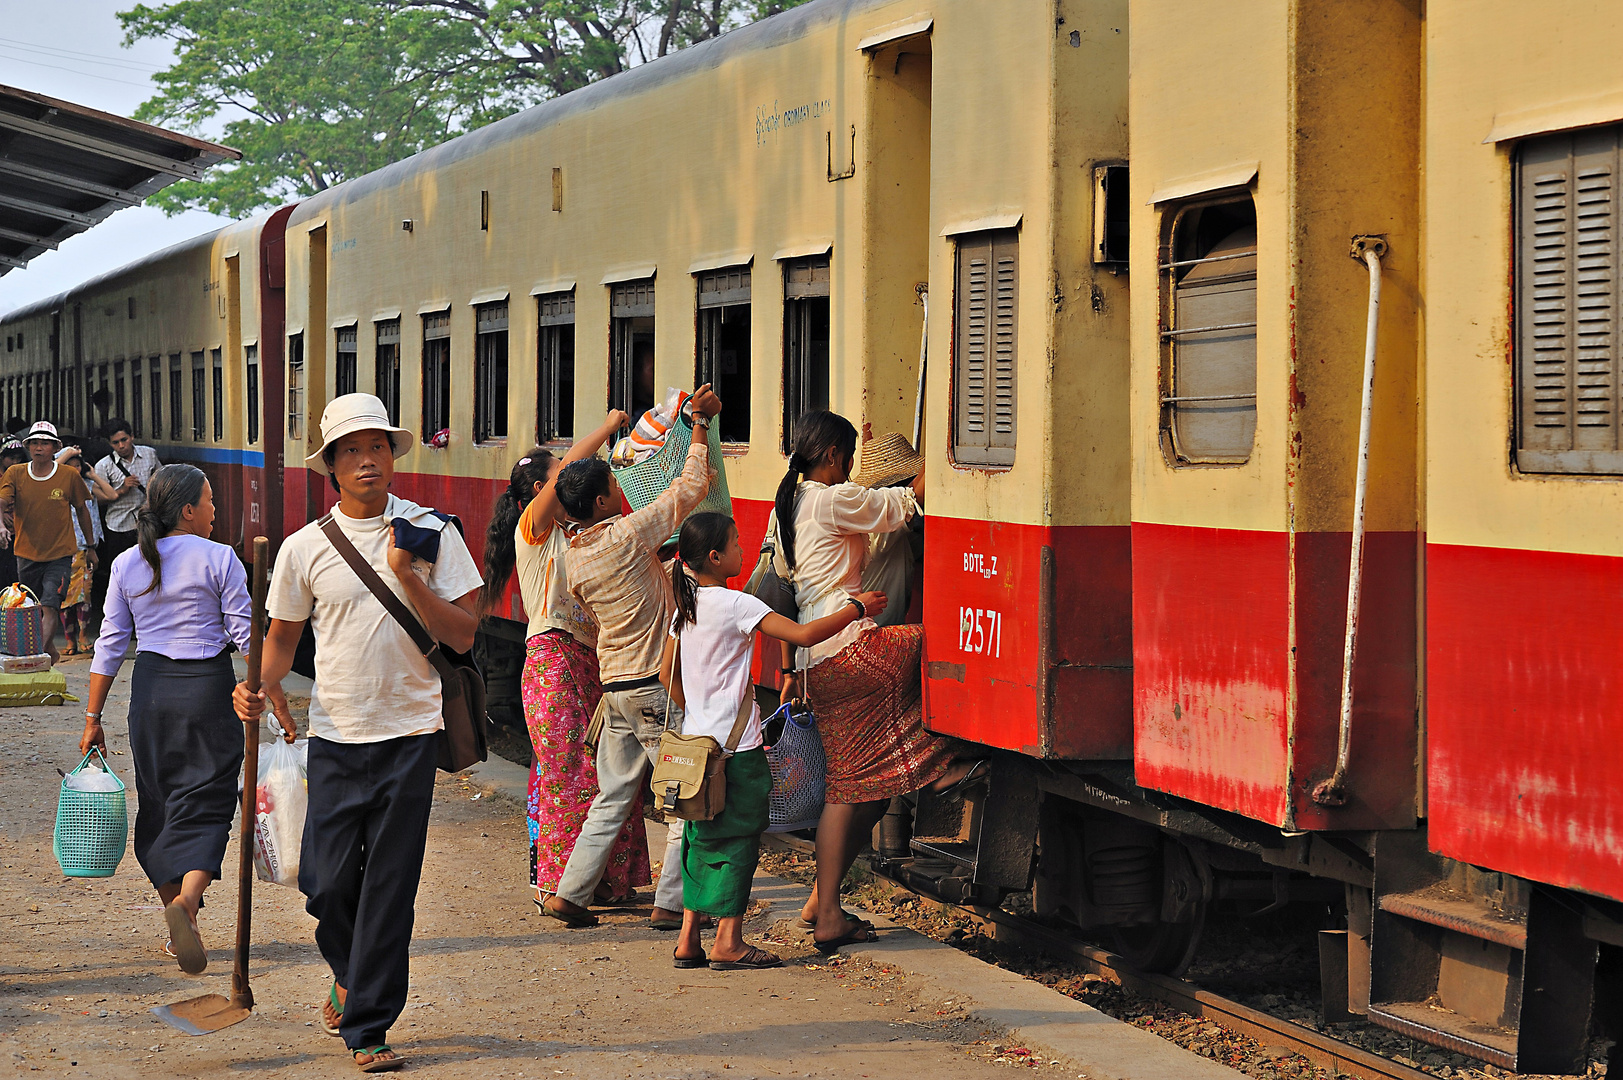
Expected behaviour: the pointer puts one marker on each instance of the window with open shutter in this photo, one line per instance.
(986, 313)
(1567, 304)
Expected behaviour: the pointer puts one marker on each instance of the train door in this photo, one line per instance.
(315, 371)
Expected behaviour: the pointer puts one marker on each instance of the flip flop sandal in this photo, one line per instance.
(686, 963)
(859, 935)
(665, 924)
(337, 1009)
(811, 924)
(377, 1064)
(977, 772)
(169, 948)
(183, 935)
(575, 922)
(753, 960)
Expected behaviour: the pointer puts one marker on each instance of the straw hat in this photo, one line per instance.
(887, 460)
(351, 413)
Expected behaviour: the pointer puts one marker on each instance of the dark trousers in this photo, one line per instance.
(364, 837)
(113, 544)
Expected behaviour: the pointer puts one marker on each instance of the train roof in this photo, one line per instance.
(184, 247)
(767, 33)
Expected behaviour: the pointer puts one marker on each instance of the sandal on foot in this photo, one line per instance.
(188, 946)
(811, 924)
(337, 1008)
(374, 1063)
(687, 962)
(857, 935)
(573, 920)
(977, 772)
(753, 960)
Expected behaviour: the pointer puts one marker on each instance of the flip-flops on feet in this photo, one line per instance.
(859, 934)
(337, 1009)
(574, 920)
(753, 960)
(686, 963)
(188, 947)
(376, 1063)
(811, 924)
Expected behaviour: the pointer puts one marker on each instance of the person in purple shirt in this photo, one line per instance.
(186, 598)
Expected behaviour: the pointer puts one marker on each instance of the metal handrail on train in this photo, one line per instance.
(1209, 329)
(1250, 253)
(1170, 399)
(1333, 792)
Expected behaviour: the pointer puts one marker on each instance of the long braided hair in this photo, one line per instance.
(532, 469)
(815, 433)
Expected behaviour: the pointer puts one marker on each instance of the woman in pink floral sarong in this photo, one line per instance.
(560, 684)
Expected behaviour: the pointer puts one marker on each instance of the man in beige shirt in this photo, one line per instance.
(614, 570)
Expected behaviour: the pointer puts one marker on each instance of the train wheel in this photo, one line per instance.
(1168, 946)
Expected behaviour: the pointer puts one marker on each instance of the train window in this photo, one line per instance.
(155, 389)
(631, 361)
(8, 342)
(1110, 216)
(555, 367)
(984, 348)
(137, 402)
(436, 375)
(132, 307)
(490, 372)
(805, 341)
(387, 364)
(724, 346)
(199, 396)
(177, 398)
(1567, 303)
(295, 386)
(344, 368)
(219, 394)
(1209, 332)
(120, 399)
(250, 357)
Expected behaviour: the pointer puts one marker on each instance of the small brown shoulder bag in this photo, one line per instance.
(690, 778)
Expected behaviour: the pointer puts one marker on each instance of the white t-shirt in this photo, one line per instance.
(372, 683)
(716, 650)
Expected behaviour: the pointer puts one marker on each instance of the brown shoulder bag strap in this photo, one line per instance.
(391, 603)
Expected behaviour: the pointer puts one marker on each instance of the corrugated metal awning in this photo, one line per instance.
(64, 168)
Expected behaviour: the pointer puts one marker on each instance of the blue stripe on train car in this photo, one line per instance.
(167, 452)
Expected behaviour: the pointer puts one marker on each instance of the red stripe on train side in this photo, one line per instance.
(986, 676)
(1212, 617)
(1524, 671)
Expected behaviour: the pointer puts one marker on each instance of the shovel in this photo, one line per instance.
(211, 1012)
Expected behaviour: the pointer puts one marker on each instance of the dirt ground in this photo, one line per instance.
(496, 990)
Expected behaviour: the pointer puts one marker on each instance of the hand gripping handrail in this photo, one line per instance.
(1333, 792)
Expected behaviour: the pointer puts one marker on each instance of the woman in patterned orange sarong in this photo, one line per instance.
(560, 684)
(863, 683)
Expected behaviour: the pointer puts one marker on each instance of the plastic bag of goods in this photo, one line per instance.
(16, 596)
(281, 803)
(648, 435)
(92, 820)
(23, 665)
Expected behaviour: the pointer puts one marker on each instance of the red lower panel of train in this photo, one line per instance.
(1213, 673)
(1524, 674)
(990, 678)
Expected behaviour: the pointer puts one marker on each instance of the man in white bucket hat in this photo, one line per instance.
(374, 712)
(40, 497)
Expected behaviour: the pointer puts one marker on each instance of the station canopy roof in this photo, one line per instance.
(64, 167)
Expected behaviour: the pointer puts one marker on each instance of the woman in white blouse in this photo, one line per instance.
(863, 683)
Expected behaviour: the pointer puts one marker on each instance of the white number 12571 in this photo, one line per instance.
(980, 631)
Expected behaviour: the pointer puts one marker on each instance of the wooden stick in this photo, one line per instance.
(240, 993)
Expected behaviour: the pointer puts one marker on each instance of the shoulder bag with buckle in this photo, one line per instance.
(462, 688)
(690, 779)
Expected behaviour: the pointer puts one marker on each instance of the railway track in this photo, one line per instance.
(1318, 1048)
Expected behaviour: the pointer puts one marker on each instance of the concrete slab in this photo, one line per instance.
(1101, 1046)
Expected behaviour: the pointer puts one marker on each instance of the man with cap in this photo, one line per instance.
(37, 502)
(374, 712)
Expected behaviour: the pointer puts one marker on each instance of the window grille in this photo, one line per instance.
(177, 398)
(436, 374)
(490, 372)
(250, 356)
(387, 365)
(295, 386)
(344, 373)
(555, 367)
(199, 397)
(631, 362)
(219, 394)
(724, 346)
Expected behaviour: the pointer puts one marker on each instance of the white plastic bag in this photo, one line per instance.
(283, 798)
(91, 778)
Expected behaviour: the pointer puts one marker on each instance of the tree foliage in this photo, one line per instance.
(314, 92)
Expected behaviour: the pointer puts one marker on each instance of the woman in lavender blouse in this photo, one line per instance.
(186, 599)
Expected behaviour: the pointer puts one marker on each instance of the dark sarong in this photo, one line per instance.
(719, 855)
(187, 746)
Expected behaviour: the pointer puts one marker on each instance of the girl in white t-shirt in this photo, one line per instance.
(709, 677)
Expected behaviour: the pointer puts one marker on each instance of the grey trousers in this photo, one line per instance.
(633, 721)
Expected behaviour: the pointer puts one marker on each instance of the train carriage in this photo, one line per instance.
(1141, 504)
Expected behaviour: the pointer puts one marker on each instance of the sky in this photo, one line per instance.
(73, 49)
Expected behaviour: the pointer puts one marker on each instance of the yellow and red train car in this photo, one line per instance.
(1135, 245)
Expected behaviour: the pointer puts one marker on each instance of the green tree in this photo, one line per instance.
(314, 92)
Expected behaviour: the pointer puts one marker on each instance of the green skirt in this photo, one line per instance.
(719, 856)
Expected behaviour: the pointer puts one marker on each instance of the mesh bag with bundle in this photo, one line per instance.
(92, 827)
(648, 480)
(799, 768)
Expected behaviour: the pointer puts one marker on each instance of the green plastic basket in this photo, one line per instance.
(648, 480)
(92, 827)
